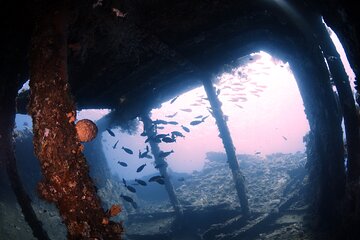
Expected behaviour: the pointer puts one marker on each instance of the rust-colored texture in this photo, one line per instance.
(66, 179)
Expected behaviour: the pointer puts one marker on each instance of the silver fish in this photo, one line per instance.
(171, 115)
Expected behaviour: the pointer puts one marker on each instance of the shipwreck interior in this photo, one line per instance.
(130, 57)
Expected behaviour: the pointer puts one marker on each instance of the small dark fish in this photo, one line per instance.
(173, 123)
(257, 153)
(127, 198)
(154, 139)
(141, 182)
(186, 109)
(115, 144)
(285, 138)
(185, 128)
(218, 92)
(181, 179)
(143, 155)
(239, 106)
(139, 169)
(176, 134)
(131, 189)
(147, 148)
(171, 115)
(162, 135)
(174, 99)
(200, 116)
(168, 140)
(143, 134)
(148, 156)
(203, 119)
(127, 150)
(159, 121)
(195, 104)
(196, 122)
(160, 127)
(134, 204)
(124, 164)
(110, 132)
(124, 181)
(165, 154)
(154, 178)
(160, 181)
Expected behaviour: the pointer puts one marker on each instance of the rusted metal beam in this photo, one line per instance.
(66, 179)
(347, 101)
(161, 163)
(225, 135)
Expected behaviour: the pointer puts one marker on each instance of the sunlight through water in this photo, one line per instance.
(261, 102)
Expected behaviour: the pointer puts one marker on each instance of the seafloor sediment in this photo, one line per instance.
(275, 187)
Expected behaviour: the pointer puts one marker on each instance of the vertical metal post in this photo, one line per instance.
(228, 145)
(347, 101)
(161, 163)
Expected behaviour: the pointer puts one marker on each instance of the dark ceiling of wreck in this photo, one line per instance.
(162, 48)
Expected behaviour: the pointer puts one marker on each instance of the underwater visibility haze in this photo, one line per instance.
(191, 169)
(265, 116)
